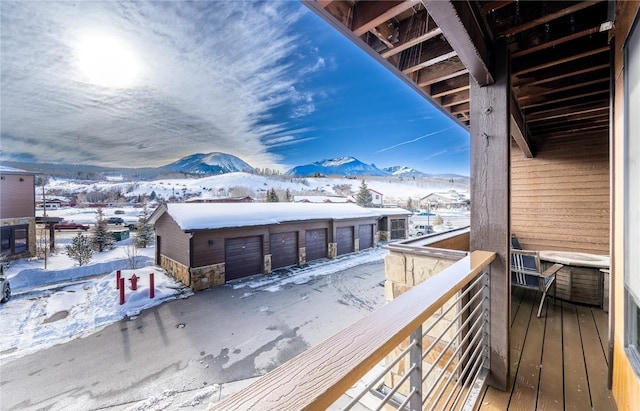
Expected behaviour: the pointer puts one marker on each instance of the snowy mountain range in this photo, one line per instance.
(215, 163)
(402, 171)
(209, 163)
(343, 166)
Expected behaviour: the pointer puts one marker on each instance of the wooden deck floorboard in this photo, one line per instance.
(558, 361)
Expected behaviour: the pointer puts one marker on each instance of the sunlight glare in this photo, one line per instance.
(107, 62)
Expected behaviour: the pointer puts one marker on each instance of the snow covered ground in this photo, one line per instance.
(65, 302)
(242, 184)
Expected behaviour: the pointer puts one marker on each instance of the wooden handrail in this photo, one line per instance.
(316, 378)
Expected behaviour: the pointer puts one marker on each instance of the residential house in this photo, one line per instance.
(448, 200)
(17, 213)
(376, 198)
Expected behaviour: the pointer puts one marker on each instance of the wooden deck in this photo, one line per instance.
(558, 361)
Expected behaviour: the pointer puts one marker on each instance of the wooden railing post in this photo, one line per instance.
(415, 379)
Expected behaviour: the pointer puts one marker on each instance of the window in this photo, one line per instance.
(398, 229)
(14, 240)
(632, 199)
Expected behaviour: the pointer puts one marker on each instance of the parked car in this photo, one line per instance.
(115, 220)
(5, 289)
(118, 212)
(420, 229)
(70, 225)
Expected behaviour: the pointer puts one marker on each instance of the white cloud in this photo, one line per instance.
(208, 76)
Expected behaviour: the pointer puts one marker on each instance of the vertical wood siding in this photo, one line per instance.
(175, 242)
(560, 198)
(18, 197)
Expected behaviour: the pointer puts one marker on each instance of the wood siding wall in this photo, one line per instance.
(626, 384)
(17, 198)
(175, 242)
(560, 198)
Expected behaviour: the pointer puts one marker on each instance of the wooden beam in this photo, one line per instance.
(569, 117)
(430, 62)
(519, 130)
(530, 95)
(580, 106)
(410, 43)
(560, 76)
(494, 5)
(455, 99)
(369, 14)
(553, 43)
(450, 86)
(490, 208)
(562, 60)
(548, 17)
(378, 32)
(460, 109)
(461, 29)
(323, 3)
(441, 71)
(560, 100)
(562, 112)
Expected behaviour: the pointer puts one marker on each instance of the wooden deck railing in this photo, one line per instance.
(317, 378)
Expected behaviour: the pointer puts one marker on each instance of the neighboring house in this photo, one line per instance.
(376, 198)
(204, 245)
(322, 199)
(17, 212)
(447, 199)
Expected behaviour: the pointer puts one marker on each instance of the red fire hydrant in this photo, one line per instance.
(134, 282)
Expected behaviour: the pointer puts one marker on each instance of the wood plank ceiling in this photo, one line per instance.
(559, 55)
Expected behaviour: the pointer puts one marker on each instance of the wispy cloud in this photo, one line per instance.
(413, 140)
(439, 153)
(210, 75)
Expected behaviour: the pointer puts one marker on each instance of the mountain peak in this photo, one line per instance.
(342, 166)
(209, 163)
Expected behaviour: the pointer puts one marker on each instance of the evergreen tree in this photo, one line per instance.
(288, 196)
(101, 238)
(144, 234)
(153, 195)
(438, 220)
(272, 196)
(364, 197)
(409, 203)
(80, 249)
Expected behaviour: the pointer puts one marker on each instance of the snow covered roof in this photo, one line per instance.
(394, 211)
(11, 170)
(322, 199)
(202, 216)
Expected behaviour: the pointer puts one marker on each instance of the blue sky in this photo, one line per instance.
(143, 84)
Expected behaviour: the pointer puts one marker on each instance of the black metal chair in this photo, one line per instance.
(526, 273)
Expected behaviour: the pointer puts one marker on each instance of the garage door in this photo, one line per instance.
(365, 234)
(316, 244)
(344, 239)
(243, 257)
(284, 249)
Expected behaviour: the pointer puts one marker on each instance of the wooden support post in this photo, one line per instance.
(490, 201)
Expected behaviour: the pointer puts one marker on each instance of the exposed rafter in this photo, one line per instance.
(460, 28)
(548, 17)
(368, 15)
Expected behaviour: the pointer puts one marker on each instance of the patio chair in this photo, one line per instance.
(526, 273)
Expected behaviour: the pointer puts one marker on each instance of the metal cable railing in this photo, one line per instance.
(442, 376)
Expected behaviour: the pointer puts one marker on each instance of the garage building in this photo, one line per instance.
(204, 245)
